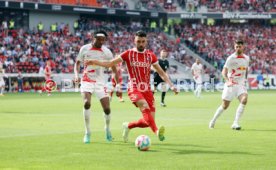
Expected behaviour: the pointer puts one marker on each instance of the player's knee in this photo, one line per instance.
(87, 105)
(107, 111)
(244, 101)
(225, 106)
(145, 106)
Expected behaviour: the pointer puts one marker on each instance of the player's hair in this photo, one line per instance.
(239, 42)
(100, 33)
(141, 33)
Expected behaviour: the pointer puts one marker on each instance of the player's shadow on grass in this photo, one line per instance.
(181, 145)
(178, 150)
(186, 152)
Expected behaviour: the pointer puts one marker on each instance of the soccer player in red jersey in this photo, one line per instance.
(138, 61)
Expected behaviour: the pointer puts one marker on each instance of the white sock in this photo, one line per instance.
(107, 119)
(198, 90)
(86, 114)
(218, 113)
(195, 92)
(239, 113)
(1, 90)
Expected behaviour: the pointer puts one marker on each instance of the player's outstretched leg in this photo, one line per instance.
(216, 115)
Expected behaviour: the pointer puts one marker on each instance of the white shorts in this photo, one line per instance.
(2, 82)
(198, 80)
(234, 91)
(98, 88)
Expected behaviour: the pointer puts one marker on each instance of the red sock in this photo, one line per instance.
(149, 119)
(141, 123)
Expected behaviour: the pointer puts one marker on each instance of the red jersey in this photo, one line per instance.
(139, 67)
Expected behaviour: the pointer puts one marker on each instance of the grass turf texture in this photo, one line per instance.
(40, 132)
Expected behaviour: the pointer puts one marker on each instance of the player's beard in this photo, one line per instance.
(141, 48)
(239, 52)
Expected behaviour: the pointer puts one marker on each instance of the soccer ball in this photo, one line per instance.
(143, 143)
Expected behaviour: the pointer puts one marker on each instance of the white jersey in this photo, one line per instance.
(2, 83)
(198, 71)
(1, 71)
(94, 73)
(237, 67)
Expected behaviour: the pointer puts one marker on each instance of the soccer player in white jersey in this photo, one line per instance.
(2, 82)
(197, 72)
(93, 80)
(234, 73)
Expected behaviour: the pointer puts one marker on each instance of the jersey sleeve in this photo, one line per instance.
(193, 67)
(227, 63)
(124, 55)
(80, 55)
(108, 54)
(154, 59)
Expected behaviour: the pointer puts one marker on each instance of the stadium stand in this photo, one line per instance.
(92, 3)
(215, 43)
(239, 5)
(28, 51)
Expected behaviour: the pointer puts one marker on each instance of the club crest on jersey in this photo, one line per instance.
(242, 68)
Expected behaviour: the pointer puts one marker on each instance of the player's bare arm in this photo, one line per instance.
(228, 81)
(110, 63)
(224, 73)
(165, 77)
(76, 71)
(116, 76)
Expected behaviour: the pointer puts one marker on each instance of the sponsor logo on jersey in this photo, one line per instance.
(140, 64)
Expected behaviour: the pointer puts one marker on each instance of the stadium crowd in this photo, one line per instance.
(27, 51)
(231, 6)
(215, 43)
(239, 5)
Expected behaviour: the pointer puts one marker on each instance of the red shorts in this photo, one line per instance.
(135, 95)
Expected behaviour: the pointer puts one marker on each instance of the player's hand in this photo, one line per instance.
(174, 89)
(118, 93)
(118, 90)
(76, 79)
(195, 77)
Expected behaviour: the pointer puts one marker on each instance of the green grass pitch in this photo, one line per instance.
(40, 132)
